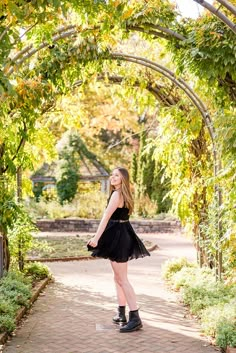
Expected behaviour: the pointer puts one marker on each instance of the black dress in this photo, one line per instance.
(119, 242)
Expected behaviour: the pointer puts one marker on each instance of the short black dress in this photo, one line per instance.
(119, 242)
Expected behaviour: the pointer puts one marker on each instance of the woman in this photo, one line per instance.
(116, 240)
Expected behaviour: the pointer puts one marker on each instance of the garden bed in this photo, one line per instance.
(18, 292)
(65, 248)
(212, 302)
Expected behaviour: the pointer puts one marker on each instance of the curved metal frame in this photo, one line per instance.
(68, 31)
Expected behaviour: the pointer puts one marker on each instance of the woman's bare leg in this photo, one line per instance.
(120, 295)
(124, 288)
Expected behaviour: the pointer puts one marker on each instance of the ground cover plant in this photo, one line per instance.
(16, 291)
(212, 302)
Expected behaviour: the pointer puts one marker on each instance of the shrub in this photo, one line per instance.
(14, 276)
(189, 275)
(6, 307)
(89, 204)
(21, 238)
(202, 295)
(213, 302)
(15, 290)
(18, 293)
(173, 266)
(37, 270)
(7, 323)
(214, 316)
(226, 334)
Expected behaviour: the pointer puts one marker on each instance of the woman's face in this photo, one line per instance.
(115, 179)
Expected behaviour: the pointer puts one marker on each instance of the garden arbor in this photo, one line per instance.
(88, 51)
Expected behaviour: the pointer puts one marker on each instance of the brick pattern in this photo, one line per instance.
(90, 225)
(74, 315)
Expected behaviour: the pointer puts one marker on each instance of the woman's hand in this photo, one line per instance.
(93, 242)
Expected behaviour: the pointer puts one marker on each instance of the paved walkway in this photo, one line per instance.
(74, 314)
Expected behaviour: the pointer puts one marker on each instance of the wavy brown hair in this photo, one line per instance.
(125, 188)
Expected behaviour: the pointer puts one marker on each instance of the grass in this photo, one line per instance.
(63, 246)
(59, 247)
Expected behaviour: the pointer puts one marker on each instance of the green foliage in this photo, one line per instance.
(69, 170)
(21, 238)
(204, 294)
(150, 180)
(89, 204)
(8, 207)
(134, 168)
(226, 334)
(5, 307)
(37, 270)
(15, 291)
(214, 317)
(171, 267)
(7, 323)
(38, 190)
(67, 185)
(144, 207)
(209, 53)
(213, 302)
(16, 288)
(31, 84)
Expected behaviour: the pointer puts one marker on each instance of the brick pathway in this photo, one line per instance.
(74, 314)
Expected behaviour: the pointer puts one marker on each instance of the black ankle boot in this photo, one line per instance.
(120, 317)
(134, 322)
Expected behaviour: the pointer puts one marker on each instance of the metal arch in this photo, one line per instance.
(228, 5)
(184, 87)
(218, 13)
(68, 31)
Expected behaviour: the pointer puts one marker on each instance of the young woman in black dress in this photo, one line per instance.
(116, 240)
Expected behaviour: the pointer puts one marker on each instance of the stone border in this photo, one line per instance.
(231, 350)
(63, 259)
(23, 310)
(90, 225)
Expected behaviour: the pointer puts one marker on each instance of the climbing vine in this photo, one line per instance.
(46, 46)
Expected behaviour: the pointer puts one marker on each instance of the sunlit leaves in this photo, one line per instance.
(209, 52)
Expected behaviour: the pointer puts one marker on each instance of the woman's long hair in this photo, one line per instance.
(125, 189)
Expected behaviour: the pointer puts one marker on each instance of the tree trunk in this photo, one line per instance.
(19, 200)
(6, 253)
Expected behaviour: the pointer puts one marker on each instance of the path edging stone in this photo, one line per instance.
(22, 311)
(231, 350)
(91, 225)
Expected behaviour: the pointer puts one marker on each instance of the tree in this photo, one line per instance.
(66, 52)
(68, 171)
(149, 177)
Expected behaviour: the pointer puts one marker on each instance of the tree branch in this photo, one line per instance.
(21, 144)
(4, 32)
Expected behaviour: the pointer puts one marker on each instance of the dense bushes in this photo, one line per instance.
(86, 205)
(212, 302)
(15, 291)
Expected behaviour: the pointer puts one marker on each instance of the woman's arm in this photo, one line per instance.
(111, 207)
